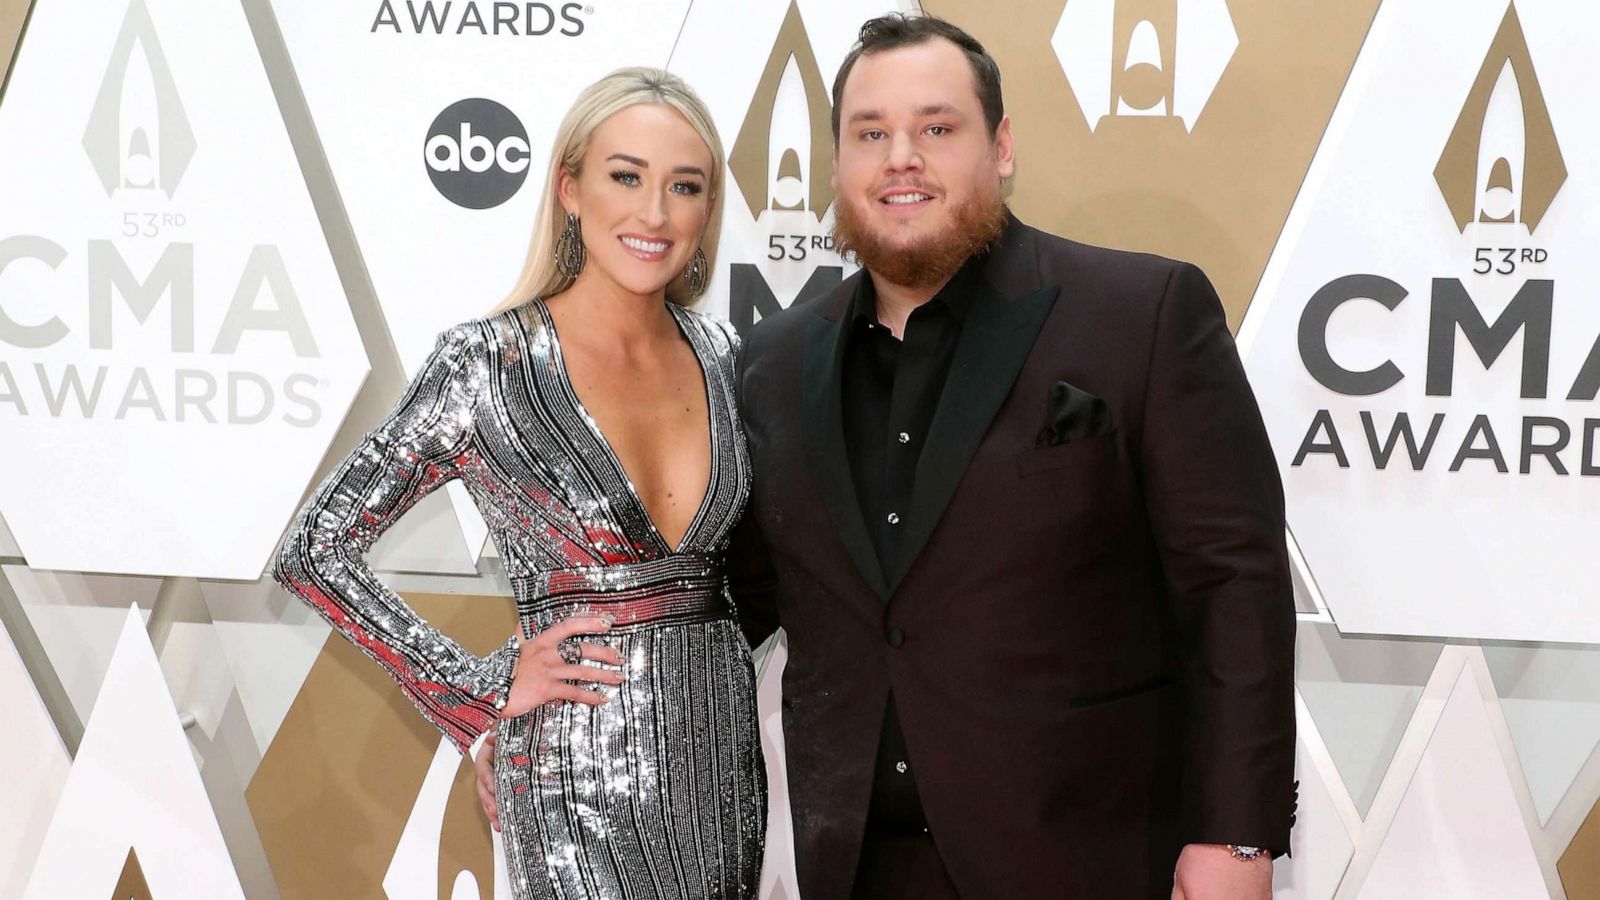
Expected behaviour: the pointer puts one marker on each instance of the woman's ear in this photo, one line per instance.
(567, 191)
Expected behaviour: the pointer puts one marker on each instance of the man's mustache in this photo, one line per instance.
(919, 185)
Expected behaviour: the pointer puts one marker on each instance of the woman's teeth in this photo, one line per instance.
(647, 246)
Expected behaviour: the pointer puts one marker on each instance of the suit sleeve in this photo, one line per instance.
(752, 580)
(1216, 508)
(419, 447)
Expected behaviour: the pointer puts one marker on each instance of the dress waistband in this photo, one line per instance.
(672, 590)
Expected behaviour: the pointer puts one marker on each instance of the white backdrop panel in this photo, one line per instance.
(1456, 112)
(177, 348)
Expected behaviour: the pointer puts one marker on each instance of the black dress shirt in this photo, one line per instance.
(891, 388)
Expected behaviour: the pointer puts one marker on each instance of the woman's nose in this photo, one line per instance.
(654, 213)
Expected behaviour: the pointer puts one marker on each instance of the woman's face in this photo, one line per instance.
(643, 197)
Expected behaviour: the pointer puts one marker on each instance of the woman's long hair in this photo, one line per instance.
(598, 102)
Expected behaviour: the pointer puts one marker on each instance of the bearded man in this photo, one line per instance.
(1015, 508)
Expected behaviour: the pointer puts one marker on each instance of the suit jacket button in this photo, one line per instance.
(896, 637)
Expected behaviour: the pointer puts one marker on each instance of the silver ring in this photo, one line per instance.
(570, 652)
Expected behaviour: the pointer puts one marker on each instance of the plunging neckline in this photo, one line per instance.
(610, 452)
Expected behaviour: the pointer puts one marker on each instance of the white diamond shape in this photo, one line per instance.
(1205, 43)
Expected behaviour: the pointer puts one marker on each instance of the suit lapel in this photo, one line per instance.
(822, 397)
(994, 342)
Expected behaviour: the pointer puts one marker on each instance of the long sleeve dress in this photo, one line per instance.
(658, 793)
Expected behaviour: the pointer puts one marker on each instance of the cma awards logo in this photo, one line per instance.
(139, 143)
(476, 153)
(1499, 173)
(1502, 164)
(766, 161)
(782, 161)
(1133, 59)
(118, 140)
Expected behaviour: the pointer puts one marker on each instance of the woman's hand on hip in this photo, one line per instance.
(554, 665)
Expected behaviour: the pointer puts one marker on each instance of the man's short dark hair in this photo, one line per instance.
(895, 30)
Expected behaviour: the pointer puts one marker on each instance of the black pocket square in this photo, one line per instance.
(1071, 414)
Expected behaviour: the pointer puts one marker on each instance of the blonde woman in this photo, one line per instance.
(592, 419)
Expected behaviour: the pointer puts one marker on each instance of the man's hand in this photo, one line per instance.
(483, 764)
(1209, 872)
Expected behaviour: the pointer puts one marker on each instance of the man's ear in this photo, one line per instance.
(1004, 149)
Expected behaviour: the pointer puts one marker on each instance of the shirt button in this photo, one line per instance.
(905, 438)
(894, 518)
(900, 767)
(895, 637)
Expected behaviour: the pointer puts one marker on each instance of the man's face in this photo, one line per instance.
(915, 156)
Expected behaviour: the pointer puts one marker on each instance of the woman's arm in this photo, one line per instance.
(424, 442)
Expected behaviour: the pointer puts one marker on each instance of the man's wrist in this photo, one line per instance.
(1240, 852)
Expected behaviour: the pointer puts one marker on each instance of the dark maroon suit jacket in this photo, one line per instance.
(1091, 644)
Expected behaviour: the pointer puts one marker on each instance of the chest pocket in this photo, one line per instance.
(1085, 454)
(1082, 453)
(1082, 479)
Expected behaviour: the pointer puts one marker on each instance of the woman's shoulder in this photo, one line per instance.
(718, 330)
(501, 329)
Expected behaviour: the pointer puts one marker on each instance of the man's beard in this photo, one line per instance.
(929, 262)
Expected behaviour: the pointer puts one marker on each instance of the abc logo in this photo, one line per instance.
(477, 153)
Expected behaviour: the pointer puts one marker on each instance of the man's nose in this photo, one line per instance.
(903, 154)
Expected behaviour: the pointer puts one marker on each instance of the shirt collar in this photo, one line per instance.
(956, 297)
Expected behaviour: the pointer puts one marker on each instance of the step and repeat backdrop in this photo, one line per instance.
(230, 231)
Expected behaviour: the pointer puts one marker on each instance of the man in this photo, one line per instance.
(1016, 511)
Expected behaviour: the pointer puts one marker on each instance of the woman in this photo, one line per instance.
(592, 420)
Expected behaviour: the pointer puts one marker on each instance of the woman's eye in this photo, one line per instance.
(687, 188)
(623, 177)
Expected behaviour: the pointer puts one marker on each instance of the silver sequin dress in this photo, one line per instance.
(659, 793)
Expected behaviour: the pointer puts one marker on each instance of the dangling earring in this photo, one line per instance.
(570, 254)
(697, 273)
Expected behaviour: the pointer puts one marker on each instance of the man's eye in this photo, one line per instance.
(937, 130)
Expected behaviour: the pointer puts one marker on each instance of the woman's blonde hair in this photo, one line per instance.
(598, 102)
